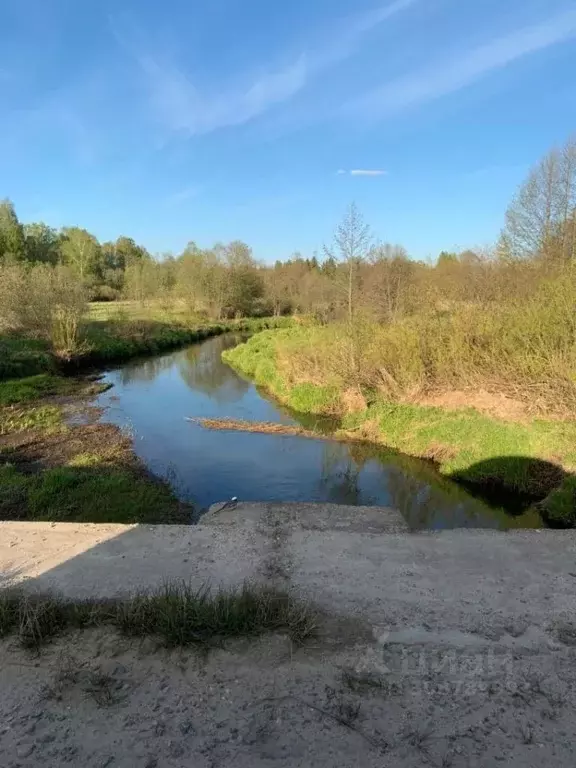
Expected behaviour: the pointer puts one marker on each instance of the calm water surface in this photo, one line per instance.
(152, 398)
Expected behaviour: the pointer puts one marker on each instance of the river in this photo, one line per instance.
(151, 398)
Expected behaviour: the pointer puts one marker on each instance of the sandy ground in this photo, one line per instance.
(448, 649)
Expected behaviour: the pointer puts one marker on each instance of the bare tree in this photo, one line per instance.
(389, 275)
(540, 222)
(352, 242)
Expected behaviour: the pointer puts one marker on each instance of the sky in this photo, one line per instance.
(249, 119)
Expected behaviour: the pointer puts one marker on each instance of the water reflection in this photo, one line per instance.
(144, 370)
(203, 370)
(155, 396)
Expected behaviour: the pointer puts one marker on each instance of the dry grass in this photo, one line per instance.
(177, 614)
(523, 353)
(264, 427)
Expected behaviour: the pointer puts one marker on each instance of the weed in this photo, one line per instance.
(181, 615)
(177, 614)
(361, 682)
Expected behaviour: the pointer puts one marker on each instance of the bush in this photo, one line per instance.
(524, 349)
(42, 302)
(559, 508)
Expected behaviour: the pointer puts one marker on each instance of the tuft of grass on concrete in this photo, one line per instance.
(177, 614)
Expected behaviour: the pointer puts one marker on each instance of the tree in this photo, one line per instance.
(329, 266)
(540, 222)
(351, 246)
(447, 257)
(244, 286)
(80, 251)
(389, 280)
(42, 243)
(12, 242)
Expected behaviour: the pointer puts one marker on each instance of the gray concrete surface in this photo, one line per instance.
(455, 648)
(350, 561)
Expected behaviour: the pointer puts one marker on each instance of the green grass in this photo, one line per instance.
(15, 419)
(21, 357)
(177, 615)
(559, 508)
(528, 459)
(117, 335)
(86, 493)
(26, 390)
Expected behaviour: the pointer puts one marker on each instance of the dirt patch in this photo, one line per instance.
(439, 452)
(77, 469)
(353, 401)
(498, 405)
(33, 451)
(101, 701)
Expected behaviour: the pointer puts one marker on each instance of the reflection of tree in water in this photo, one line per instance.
(146, 370)
(340, 474)
(428, 501)
(202, 369)
(413, 487)
(436, 503)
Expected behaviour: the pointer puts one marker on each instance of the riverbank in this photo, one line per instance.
(532, 459)
(57, 462)
(113, 340)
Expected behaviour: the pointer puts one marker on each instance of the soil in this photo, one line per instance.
(34, 450)
(96, 700)
(498, 405)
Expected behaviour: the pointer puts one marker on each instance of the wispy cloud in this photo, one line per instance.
(362, 172)
(183, 107)
(453, 75)
(349, 33)
(367, 172)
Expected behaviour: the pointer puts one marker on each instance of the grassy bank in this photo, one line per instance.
(532, 459)
(115, 339)
(53, 471)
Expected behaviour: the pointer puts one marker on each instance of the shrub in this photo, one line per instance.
(42, 302)
(526, 349)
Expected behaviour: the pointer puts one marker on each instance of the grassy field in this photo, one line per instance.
(532, 458)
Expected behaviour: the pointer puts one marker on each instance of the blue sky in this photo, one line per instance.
(181, 119)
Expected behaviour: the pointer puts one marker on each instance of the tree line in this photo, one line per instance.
(355, 273)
